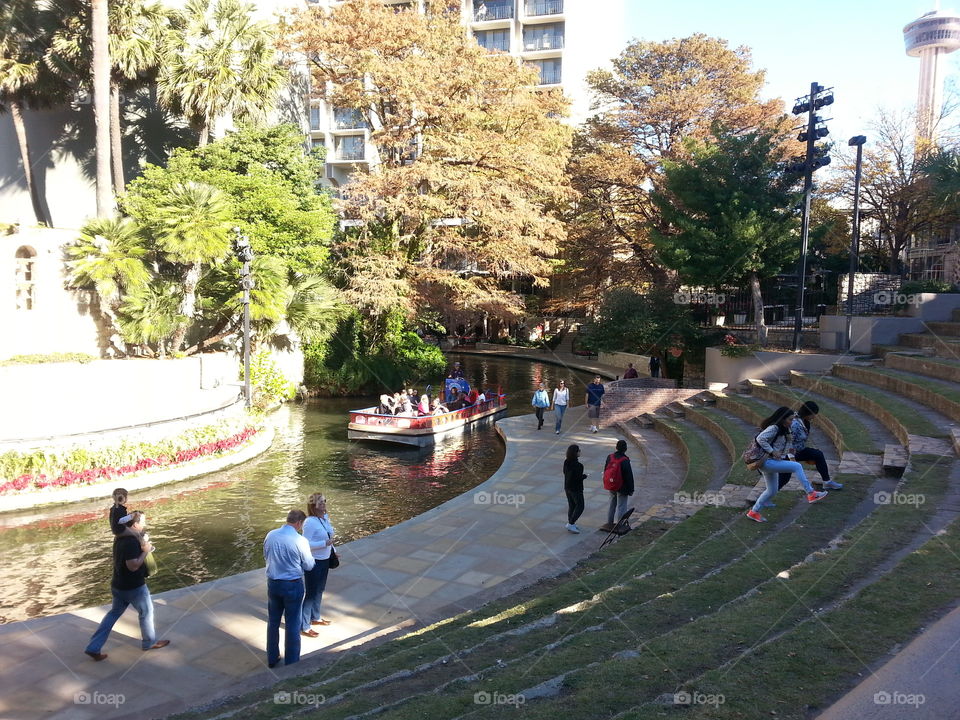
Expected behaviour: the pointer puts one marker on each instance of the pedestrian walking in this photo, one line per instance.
(561, 398)
(775, 440)
(129, 586)
(800, 433)
(630, 372)
(573, 477)
(540, 402)
(318, 531)
(618, 481)
(595, 391)
(654, 366)
(288, 557)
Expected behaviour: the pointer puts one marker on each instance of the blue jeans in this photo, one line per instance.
(809, 454)
(314, 581)
(122, 599)
(284, 600)
(770, 470)
(559, 410)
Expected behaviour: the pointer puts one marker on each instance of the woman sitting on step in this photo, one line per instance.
(800, 431)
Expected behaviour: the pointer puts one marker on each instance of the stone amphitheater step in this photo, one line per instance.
(944, 329)
(941, 396)
(940, 368)
(941, 347)
(895, 460)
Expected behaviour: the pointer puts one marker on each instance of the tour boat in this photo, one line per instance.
(368, 424)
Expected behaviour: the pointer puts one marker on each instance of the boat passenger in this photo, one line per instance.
(397, 403)
(438, 407)
(473, 396)
(456, 402)
(386, 405)
(423, 407)
(456, 372)
(406, 407)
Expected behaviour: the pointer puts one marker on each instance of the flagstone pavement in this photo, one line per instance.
(505, 534)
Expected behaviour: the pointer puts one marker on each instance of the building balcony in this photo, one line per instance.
(486, 11)
(542, 42)
(349, 119)
(536, 8)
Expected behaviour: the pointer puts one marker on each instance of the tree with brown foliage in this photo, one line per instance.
(468, 155)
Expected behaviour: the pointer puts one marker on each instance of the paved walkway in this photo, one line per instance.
(505, 534)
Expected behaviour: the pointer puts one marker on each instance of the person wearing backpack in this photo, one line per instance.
(618, 481)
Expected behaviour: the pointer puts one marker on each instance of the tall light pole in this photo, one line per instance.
(856, 141)
(244, 253)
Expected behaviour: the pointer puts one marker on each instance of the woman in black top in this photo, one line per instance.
(573, 477)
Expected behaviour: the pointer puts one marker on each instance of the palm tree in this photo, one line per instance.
(108, 258)
(151, 315)
(20, 72)
(192, 228)
(99, 30)
(218, 61)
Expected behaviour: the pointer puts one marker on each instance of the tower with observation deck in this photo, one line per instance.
(931, 37)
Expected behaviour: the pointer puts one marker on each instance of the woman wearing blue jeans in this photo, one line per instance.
(775, 439)
(318, 531)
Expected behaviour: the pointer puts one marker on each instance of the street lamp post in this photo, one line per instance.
(244, 253)
(856, 141)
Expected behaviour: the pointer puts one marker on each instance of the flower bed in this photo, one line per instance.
(138, 457)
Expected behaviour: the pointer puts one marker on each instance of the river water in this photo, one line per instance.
(59, 559)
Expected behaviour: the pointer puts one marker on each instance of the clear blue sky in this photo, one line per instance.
(854, 46)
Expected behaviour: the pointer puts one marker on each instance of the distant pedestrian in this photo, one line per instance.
(573, 477)
(800, 432)
(630, 372)
(288, 557)
(595, 391)
(118, 510)
(129, 586)
(561, 398)
(540, 402)
(318, 531)
(618, 481)
(654, 366)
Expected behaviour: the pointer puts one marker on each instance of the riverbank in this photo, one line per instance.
(506, 533)
(551, 357)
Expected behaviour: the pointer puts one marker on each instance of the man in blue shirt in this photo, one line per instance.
(288, 556)
(595, 391)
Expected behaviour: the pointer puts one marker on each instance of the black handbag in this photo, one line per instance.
(334, 559)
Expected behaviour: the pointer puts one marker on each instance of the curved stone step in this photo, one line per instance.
(931, 394)
(940, 368)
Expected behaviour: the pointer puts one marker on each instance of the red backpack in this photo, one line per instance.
(612, 474)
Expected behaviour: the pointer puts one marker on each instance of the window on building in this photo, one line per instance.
(492, 10)
(544, 7)
(494, 39)
(350, 147)
(25, 282)
(549, 71)
(349, 119)
(315, 117)
(543, 37)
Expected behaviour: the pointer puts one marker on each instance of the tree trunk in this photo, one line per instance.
(101, 105)
(116, 138)
(758, 309)
(204, 133)
(16, 114)
(188, 307)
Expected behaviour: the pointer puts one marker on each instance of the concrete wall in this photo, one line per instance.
(870, 330)
(722, 371)
(641, 363)
(56, 399)
(60, 320)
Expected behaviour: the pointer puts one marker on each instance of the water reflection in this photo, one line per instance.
(58, 559)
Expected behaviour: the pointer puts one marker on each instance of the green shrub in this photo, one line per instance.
(914, 287)
(48, 358)
(267, 380)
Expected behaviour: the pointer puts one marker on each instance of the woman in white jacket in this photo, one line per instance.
(775, 439)
(318, 531)
(561, 398)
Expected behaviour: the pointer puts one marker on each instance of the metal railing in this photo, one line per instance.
(492, 11)
(544, 7)
(552, 41)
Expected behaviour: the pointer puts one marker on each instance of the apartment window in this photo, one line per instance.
(544, 7)
(349, 119)
(494, 39)
(549, 71)
(24, 280)
(492, 10)
(543, 37)
(350, 148)
(315, 117)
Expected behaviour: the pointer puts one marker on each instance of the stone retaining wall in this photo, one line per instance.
(621, 404)
(929, 398)
(922, 366)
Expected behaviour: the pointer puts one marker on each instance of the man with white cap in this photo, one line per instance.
(129, 586)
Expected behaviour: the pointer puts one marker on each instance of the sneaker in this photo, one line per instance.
(558, 432)
(814, 496)
(573, 528)
(607, 527)
(593, 429)
(755, 516)
(832, 485)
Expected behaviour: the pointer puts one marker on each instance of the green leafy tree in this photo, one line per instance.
(219, 61)
(728, 215)
(151, 315)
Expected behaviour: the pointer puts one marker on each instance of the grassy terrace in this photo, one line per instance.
(856, 436)
(701, 470)
(887, 408)
(943, 388)
(734, 437)
(670, 609)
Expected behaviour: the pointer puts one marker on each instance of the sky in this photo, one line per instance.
(854, 46)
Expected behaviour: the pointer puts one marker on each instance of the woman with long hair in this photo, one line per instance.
(776, 440)
(800, 430)
(318, 531)
(573, 477)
